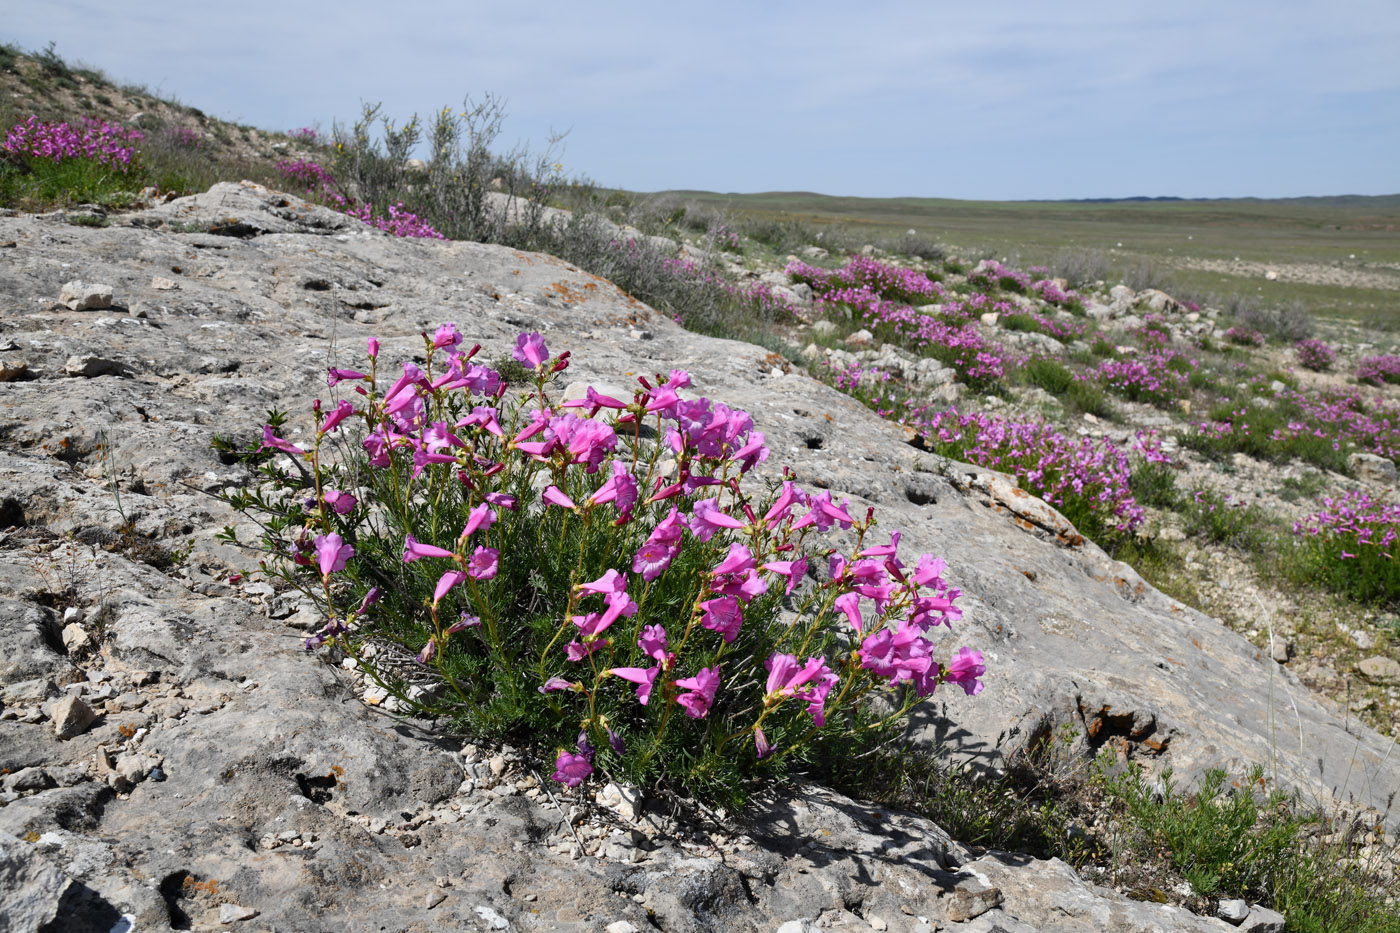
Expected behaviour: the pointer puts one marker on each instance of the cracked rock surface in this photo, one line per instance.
(220, 775)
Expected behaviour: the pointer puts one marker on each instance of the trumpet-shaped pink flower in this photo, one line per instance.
(336, 376)
(792, 569)
(447, 336)
(479, 518)
(965, 669)
(341, 503)
(706, 518)
(413, 550)
(722, 615)
(445, 584)
(272, 440)
(559, 683)
(338, 414)
(849, 603)
(555, 496)
(738, 560)
(643, 677)
(483, 563)
(331, 553)
(571, 770)
(530, 349)
(620, 489)
(700, 695)
(610, 582)
(653, 643)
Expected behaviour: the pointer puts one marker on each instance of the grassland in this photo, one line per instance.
(1340, 256)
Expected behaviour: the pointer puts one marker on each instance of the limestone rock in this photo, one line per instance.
(30, 890)
(1372, 468)
(1380, 668)
(88, 365)
(84, 296)
(71, 716)
(1232, 910)
(1263, 920)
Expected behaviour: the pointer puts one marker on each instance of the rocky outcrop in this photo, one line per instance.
(223, 772)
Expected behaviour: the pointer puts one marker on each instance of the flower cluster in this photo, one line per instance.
(877, 280)
(1314, 354)
(1086, 478)
(1378, 369)
(1158, 377)
(185, 137)
(109, 144)
(1351, 540)
(550, 565)
(320, 187)
(1245, 337)
(400, 222)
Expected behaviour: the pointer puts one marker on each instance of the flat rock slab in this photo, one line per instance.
(254, 739)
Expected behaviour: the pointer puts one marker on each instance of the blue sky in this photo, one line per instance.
(1019, 99)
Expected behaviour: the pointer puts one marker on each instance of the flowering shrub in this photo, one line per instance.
(877, 279)
(1159, 377)
(185, 137)
(1245, 337)
(1350, 546)
(1378, 369)
(400, 222)
(1314, 354)
(305, 134)
(320, 186)
(545, 571)
(97, 141)
(1087, 479)
(949, 334)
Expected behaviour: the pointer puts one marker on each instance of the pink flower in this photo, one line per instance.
(621, 489)
(653, 643)
(751, 453)
(884, 550)
(738, 560)
(577, 650)
(706, 518)
(501, 500)
(609, 582)
(701, 692)
(652, 558)
(529, 348)
(965, 669)
(342, 411)
(571, 770)
(559, 683)
(331, 553)
(447, 336)
(479, 518)
(723, 616)
(445, 583)
(792, 569)
(335, 376)
(849, 603)
(412, 550)
(341, 503)
(483, 563)
(272, 440)
(643, 677)
(555, 496)
(761, 745)
(372, 348)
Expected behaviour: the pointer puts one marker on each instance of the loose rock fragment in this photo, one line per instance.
(83, 296)
(232, 913)
(71, 716)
